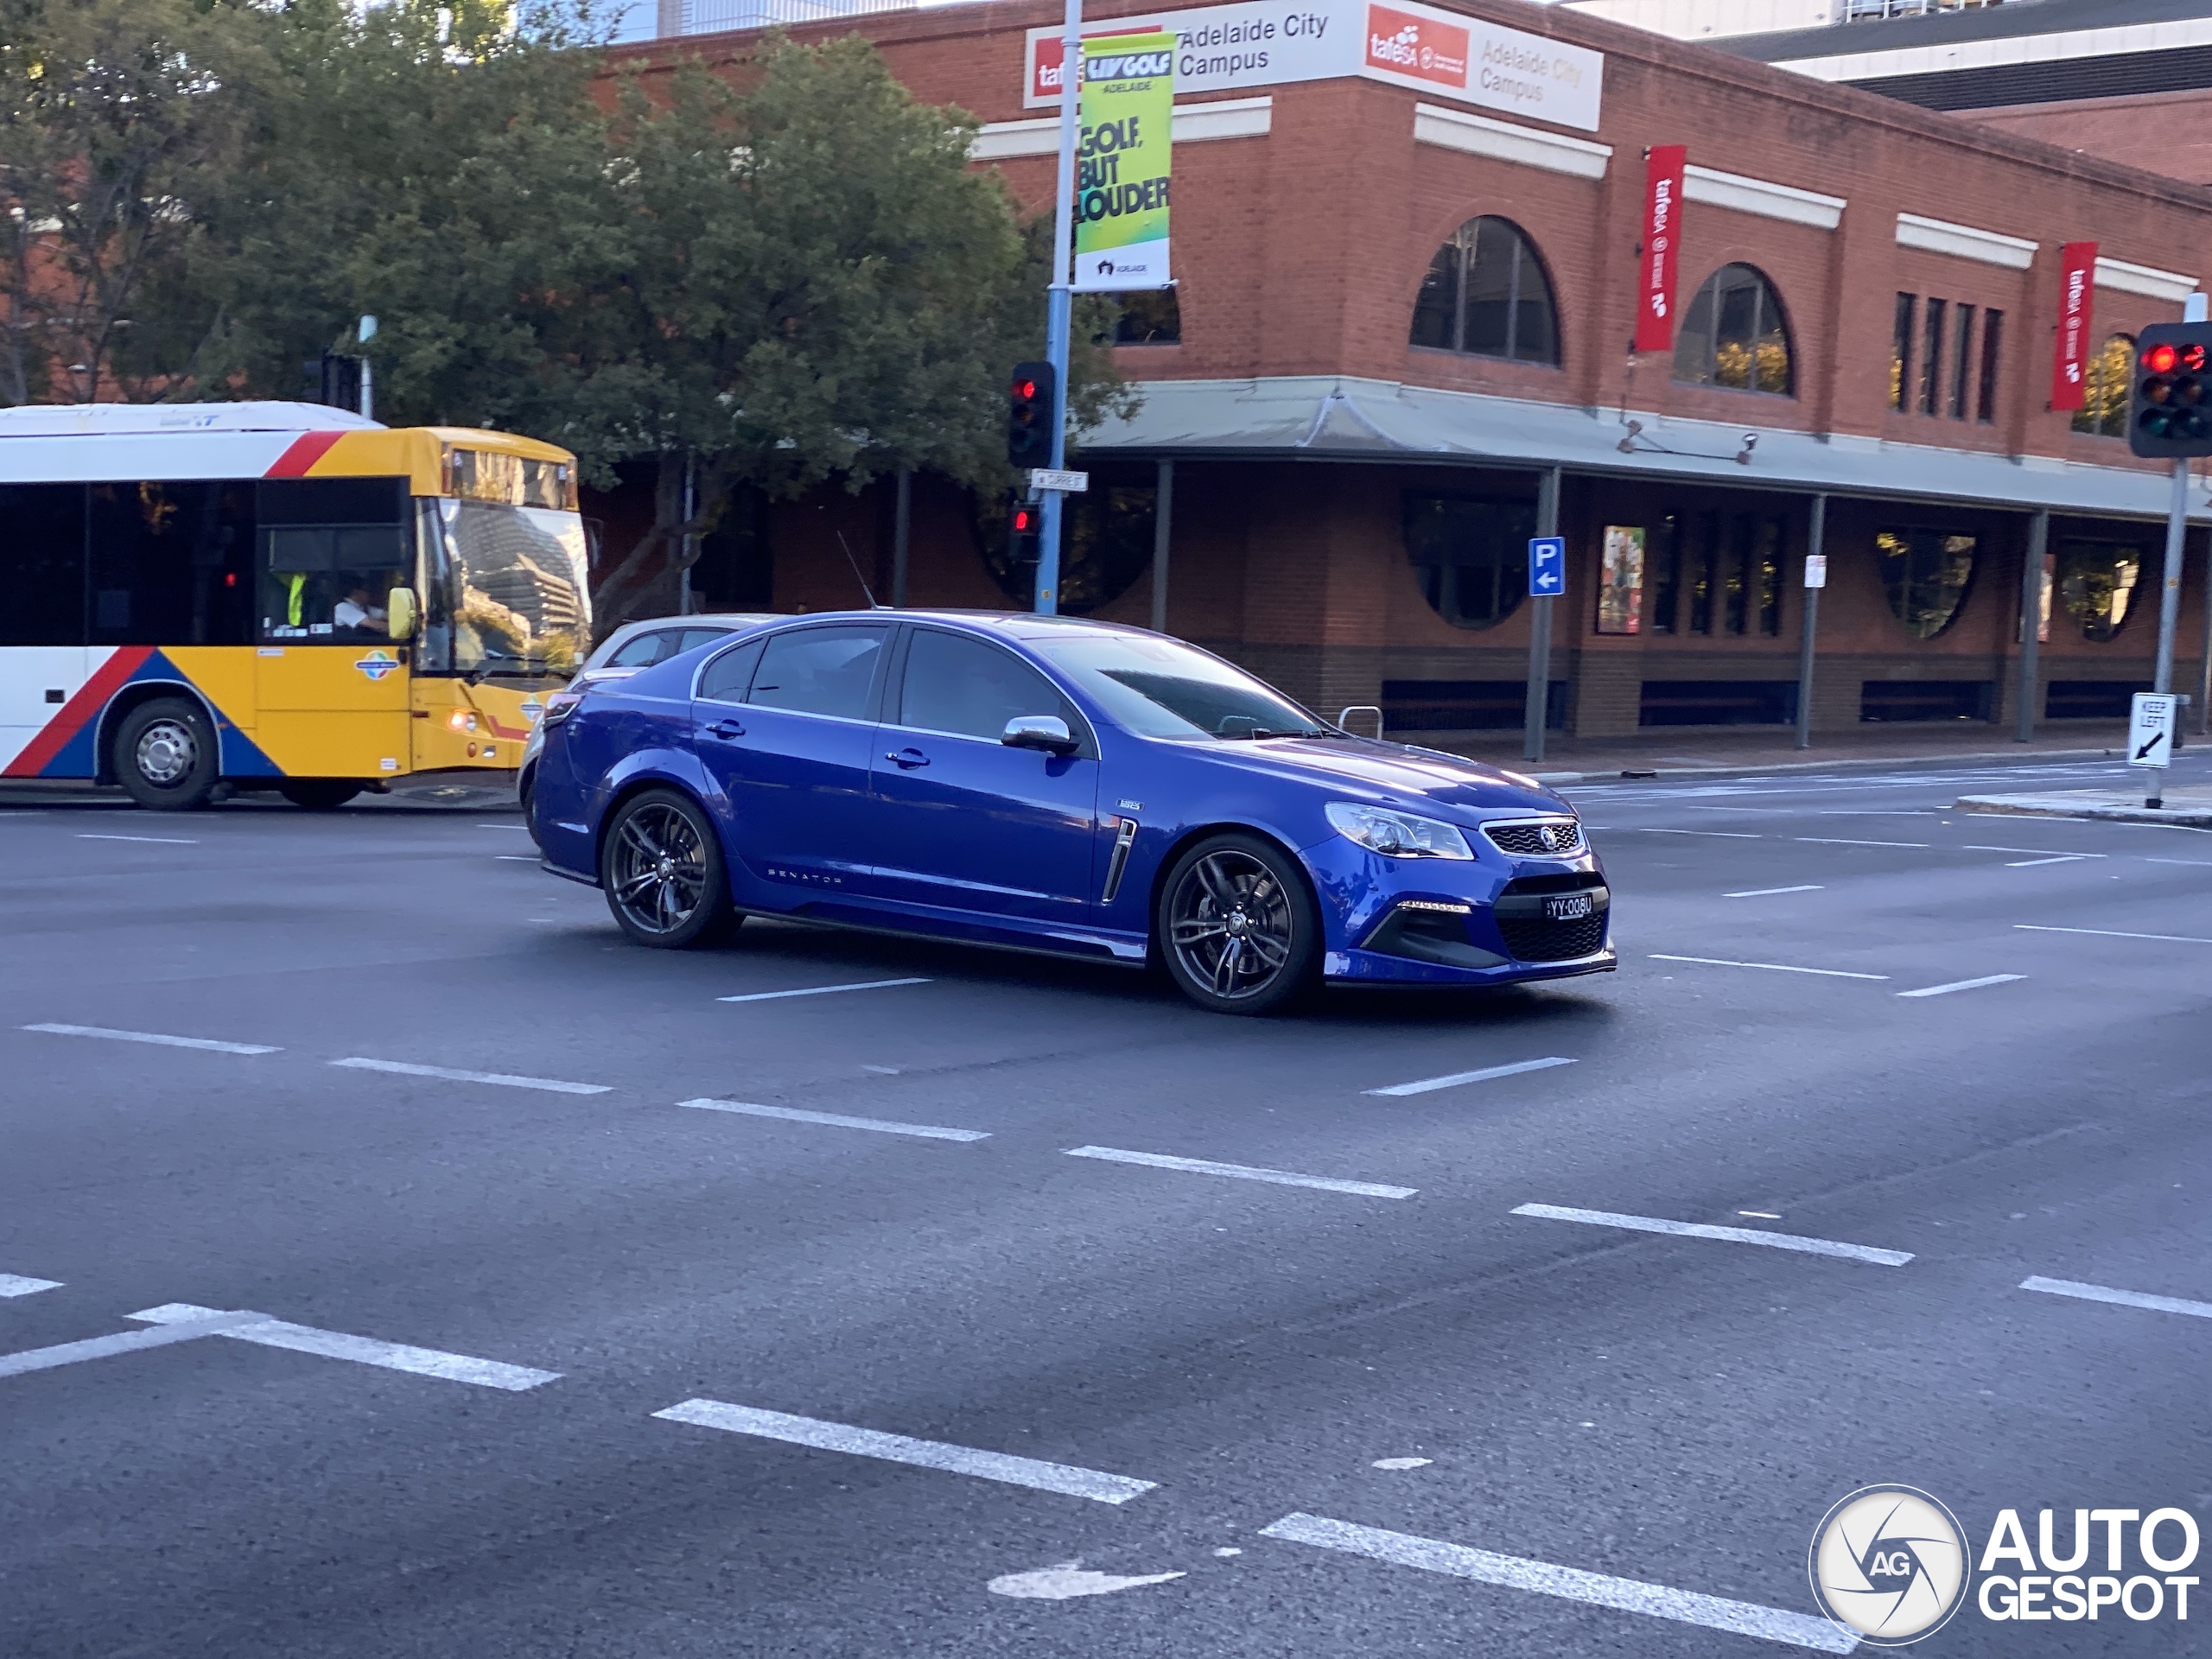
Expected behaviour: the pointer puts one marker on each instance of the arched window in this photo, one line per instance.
(1734, 335)
(1486, 294)
(2104, 389)
(1926, 574)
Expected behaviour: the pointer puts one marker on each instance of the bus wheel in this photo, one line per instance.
(165, 755)
(319, 794)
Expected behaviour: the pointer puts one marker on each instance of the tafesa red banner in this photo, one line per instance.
(2069, 356)
(1400, 43)
(1662, 214)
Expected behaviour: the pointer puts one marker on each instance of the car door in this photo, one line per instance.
(967, 823)
(786, 725)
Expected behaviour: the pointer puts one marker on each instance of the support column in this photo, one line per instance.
(1815, 541)
(1163, 519)
(902, 525)
(2204, 665)
(2031, 623)
(1535, 712)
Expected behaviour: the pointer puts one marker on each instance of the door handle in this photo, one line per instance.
(726, 729)
(907, 759)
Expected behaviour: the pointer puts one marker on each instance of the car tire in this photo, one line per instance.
(320, 794)
(528, 788)
(1236, 926)
(661, 866)
(165, 755)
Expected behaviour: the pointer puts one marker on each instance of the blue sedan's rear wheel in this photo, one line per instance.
(1237, 926)
(662, 869)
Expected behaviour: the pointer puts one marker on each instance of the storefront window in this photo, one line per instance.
(1926, 574)
(1734, 335)
(1486, 295)
(2097, 582)
(1470, 554)
(2104, 389)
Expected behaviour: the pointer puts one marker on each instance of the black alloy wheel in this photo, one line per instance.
(165, 755)
(1237, 926)
(320, 794)
(662, 869)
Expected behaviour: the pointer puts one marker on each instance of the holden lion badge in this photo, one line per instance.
(1890, 1563)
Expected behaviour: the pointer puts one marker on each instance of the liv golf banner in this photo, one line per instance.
(1121, 162)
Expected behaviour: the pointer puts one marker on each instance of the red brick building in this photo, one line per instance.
(1398, 307)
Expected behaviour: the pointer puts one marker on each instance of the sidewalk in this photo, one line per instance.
(2190, 809)
(1690, 752)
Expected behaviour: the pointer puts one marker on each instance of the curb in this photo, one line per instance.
(2045, 806)
(1887, 763)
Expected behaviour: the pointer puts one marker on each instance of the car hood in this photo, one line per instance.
(1390, 772)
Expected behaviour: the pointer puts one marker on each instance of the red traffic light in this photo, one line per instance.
(1025, 389)
(1023, 520)
(2160, 359)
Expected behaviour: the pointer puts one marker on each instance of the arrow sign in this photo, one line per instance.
(2151, 729)
(1547, 566)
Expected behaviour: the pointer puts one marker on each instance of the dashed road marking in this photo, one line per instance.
(165, 840)
(821, 990)
(2055, 858)
(1455, 1080)
(505, 1080)
(1243, 1172)
(1769, 967)
(2118, 1298)
(267, 1332)
(160, 1038)
(1769, 893)
(516, 858)
(2111, 933)
(211, 1324)
(1568, 1583)
(836, 1119)
(1064, 1478)
(1838, 841)
(1964, 985)
(1975, 847)
(1725, 1235)
(1717, 835)
(14, 1284)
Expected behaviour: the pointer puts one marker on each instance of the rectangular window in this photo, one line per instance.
(1931, 361)
(170, 564)
(42, 565)
(332, 550)
(1704, 561)
(1663, 562)
(1901, 352)
(1767, 574)
(1993, 336)
(1741, 543)
(1961, 353)
(1620, 585)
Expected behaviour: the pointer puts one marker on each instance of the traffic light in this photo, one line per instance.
(2169, 396)
(1029, 415)
(1023, 520)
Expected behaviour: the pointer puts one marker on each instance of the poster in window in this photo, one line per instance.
(1620, 587)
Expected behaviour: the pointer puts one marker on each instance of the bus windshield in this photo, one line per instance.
(507, 589)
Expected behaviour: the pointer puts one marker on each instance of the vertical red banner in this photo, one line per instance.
(1662, 214)
(2070, 358)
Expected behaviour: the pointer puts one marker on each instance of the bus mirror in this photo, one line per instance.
(399, 613)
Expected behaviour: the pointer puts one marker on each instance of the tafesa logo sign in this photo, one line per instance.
(1401, 43)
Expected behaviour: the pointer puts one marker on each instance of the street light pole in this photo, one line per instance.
(1059, 303)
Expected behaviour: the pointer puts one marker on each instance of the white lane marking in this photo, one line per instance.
(267, 1332)
(821, 990)
(1768, 893)
(1762, 1215)
(1719, 835)
(2118, 1298)
(14, 1284)
(1975, 846)
(1458, 1077)
(1061, 1477)
(881, 1126)
(1769, 967)
(1726, 1235)
(1400, 1463)
(506, 1080)
(1835, 841)
(882, 1070)
(1569, 1583)
(2030, 863)
(516, 858)
(1065, 1580)
(1243, 1172)
(2193, 863)
(208, 1043)
(123, 1341)
(166, 841)
(503, 826)
(2111, 933)
(1964, 985)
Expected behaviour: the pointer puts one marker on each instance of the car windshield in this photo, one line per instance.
(1160, 688)
(508, 589)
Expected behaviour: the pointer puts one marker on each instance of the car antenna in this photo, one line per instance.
(860, 579)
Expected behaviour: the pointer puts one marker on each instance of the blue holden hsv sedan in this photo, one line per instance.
(1055, 785)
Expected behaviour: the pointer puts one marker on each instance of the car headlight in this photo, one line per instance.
(1397, 835)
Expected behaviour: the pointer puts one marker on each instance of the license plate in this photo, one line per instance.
(1571, 908)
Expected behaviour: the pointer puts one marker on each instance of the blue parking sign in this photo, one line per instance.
(1547, 566)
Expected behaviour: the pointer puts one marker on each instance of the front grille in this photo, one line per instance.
(1537, 940)
(1537, 838)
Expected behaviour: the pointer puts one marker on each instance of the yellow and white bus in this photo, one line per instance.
(276, 596)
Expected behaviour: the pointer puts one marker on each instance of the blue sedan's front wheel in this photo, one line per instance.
(662, 872)
(1237, 926)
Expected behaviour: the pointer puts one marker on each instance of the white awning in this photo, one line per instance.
(1329, 417)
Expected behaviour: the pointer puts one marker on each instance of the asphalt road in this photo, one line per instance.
(441, 1152)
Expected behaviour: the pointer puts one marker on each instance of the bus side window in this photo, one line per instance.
(168, 564)
(331, 551)
(42, 565)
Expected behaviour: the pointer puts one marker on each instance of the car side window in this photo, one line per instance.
(820, 670)
(692, 639)
(727, 677)
(653, 645)
(963, 685)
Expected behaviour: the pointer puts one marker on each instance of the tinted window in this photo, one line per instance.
(694, 638)
(729, 674)
(1471, 553)
(819, 671)
(1162, 687)
(644, 649)
(965, 686)
(332, 500)
(169, 564)
(42, 565)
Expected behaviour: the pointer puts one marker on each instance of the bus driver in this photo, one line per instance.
(354, 611)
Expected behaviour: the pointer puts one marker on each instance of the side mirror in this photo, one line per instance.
(399, 613)
(1046, 732)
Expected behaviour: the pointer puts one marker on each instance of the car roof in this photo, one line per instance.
(1020, 625)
